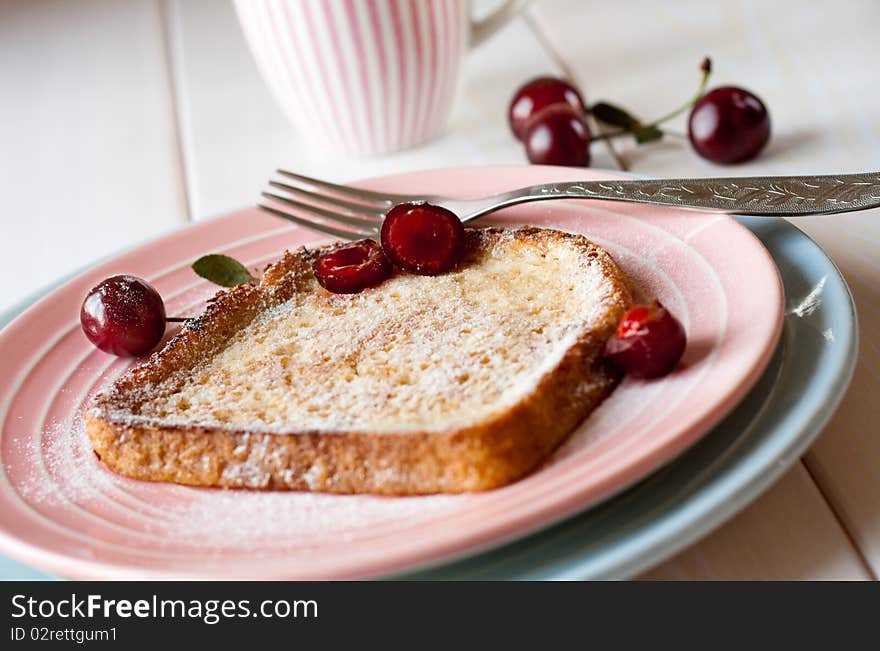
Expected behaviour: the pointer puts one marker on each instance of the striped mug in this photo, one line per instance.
(365, 76)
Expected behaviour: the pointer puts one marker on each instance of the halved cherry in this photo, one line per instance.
(648, 343)
(349, 268)
(422, 238)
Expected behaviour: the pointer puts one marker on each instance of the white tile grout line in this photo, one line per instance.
(535, 26)
(839, 514)
(169, 23)
(169, 19)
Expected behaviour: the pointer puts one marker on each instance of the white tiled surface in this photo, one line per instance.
(120, 119)
(89, 159)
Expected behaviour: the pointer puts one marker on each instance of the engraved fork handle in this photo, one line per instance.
(760, 195)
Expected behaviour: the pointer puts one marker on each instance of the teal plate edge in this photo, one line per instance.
(727, 469)
(715, 479)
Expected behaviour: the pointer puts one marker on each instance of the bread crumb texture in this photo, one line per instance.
(401, 388)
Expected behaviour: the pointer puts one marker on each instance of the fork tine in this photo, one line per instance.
(355, 208)
(318, 226)
(330, 215)
(386, 200)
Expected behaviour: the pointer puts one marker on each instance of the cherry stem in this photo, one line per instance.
(707, 71)
(706, 67)
(177, 319)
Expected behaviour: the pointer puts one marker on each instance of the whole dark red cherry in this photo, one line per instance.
(729, 125)
(537, 94)
(123, 315)
(422, 238)
(558, 135)
(350, 268)
(648, 343)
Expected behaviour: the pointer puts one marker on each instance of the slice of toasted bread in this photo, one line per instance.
(459, 382)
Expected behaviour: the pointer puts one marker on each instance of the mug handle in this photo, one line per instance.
(483, 29)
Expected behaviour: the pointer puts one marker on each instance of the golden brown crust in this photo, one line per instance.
(486, 455)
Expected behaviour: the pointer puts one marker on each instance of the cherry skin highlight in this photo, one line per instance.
(558, 135)
(537, 94)
(649, 341)
(123, 315)
(729, 125)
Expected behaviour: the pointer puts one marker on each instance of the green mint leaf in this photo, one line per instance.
(614, 115)
(648, 133)
(222, 270)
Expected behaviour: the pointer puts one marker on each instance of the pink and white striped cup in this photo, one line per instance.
(365, 76)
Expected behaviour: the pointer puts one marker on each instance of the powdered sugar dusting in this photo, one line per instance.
(521, 330)
(414, 354)
(65, 473)
(88, 523)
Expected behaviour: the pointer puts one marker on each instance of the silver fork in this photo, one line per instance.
(353, 213)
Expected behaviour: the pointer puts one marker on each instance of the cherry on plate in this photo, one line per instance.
(537, 94)
(558, 135)
(729, 125)
(350, 268)
(123, 315)
(648, 343)
(422, 238)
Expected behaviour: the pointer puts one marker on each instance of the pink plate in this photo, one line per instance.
(62, 511)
